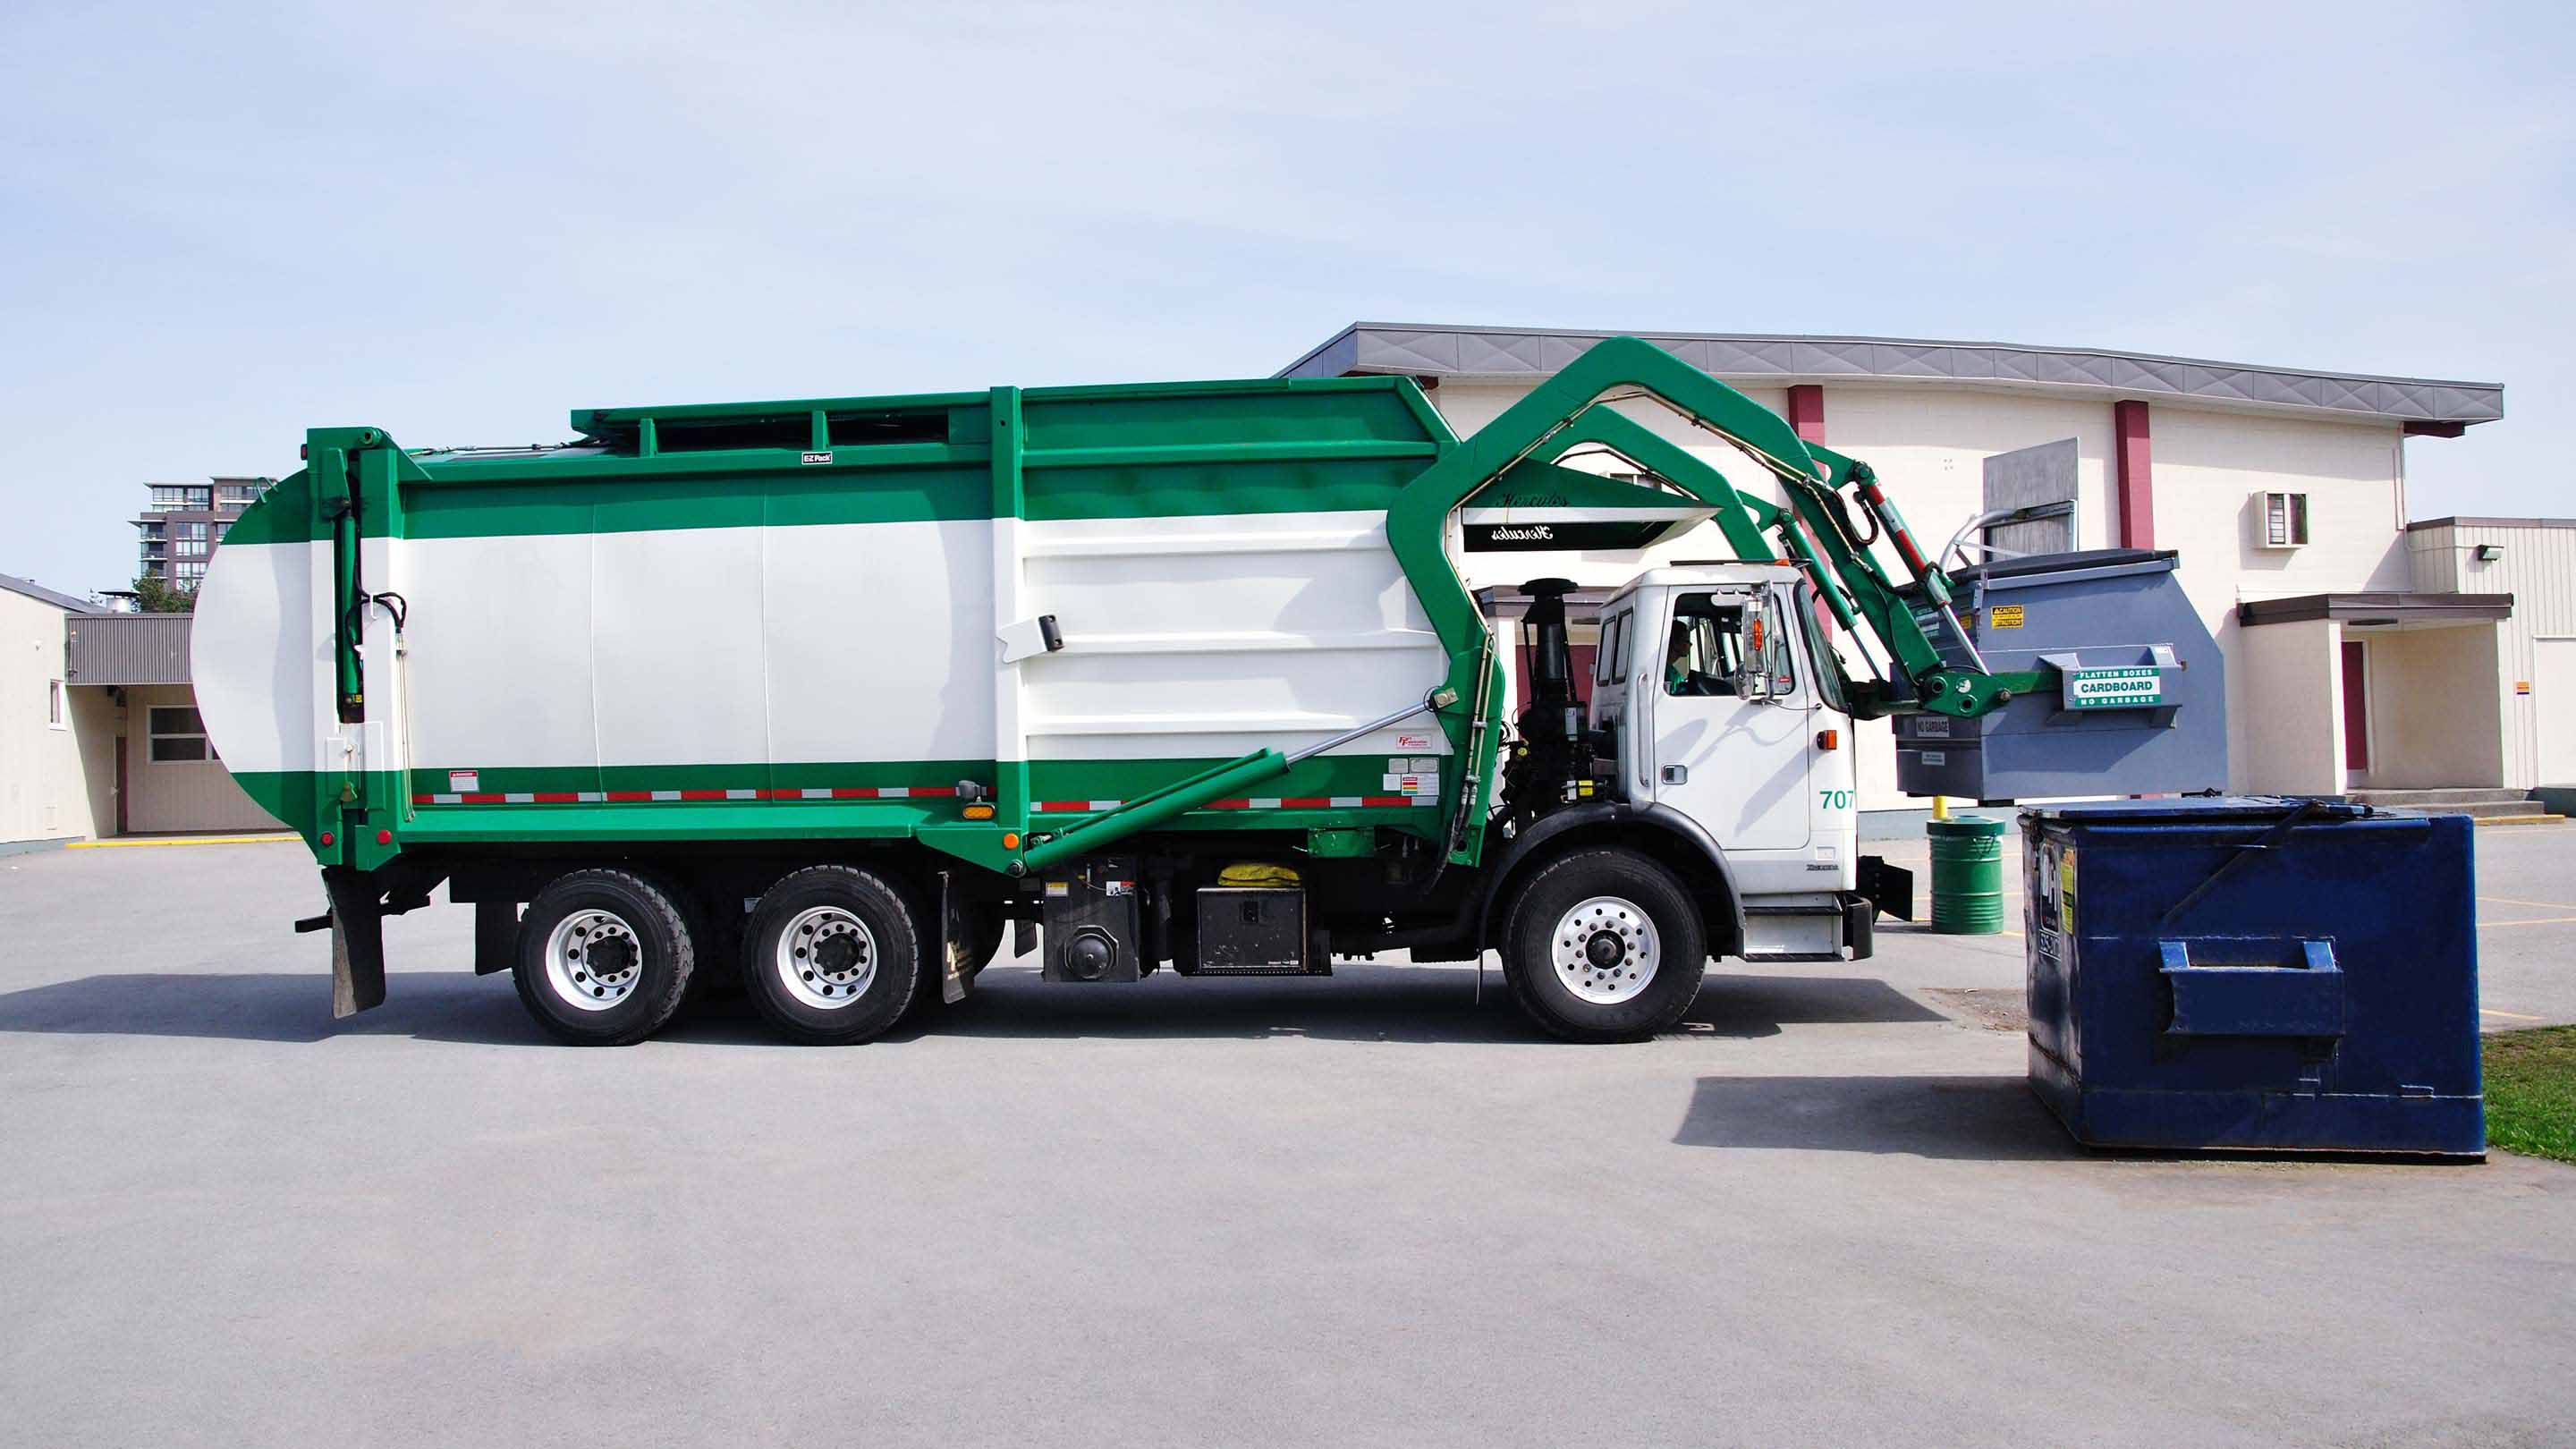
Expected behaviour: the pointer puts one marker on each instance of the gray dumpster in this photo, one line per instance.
(2143, 709)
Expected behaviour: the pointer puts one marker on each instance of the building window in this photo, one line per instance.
(178, 734)
(239, 492)
(2285, 520)
(58, 712)
(191, 570)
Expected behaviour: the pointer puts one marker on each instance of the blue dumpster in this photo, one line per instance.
(2254, 972)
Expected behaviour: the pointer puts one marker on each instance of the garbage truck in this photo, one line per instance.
(826, 697)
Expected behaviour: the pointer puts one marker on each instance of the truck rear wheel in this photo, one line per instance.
(604, 957)
(834, 955)
(1603, 945)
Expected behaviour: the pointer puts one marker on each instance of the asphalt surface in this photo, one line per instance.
(1364, 1210)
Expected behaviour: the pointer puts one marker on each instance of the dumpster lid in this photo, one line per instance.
(2041, 569)
(2182, 809)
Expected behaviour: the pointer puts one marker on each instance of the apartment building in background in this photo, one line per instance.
(185, 522)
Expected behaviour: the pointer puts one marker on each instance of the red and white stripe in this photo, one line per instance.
(1267, 802)
(699, 796)
(891, 792)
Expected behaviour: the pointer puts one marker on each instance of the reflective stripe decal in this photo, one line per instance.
(892, 792)
(1270, 802)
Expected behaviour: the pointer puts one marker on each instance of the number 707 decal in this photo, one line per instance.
(1834, 799)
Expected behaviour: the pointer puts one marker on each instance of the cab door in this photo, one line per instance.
(1731, 708)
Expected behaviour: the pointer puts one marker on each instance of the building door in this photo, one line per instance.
(2553, 695)
(2356, 708)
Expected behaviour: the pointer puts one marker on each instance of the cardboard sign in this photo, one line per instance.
(2138, 688)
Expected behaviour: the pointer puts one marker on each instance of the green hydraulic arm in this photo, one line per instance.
(1565, 415)
(1817, 531)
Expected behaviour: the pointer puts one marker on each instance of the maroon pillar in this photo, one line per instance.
(1807, 412)
(2133, 466)
(1807, 420)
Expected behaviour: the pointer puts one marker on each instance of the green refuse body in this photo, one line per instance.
(1967, 875)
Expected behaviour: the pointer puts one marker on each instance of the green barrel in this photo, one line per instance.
(1967, 875)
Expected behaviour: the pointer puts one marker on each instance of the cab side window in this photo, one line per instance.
(1613, 661)
(1708, 649)
(1705, 649)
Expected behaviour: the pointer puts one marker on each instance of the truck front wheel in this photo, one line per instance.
(604, 957)
(834, 954)
(1603, 945)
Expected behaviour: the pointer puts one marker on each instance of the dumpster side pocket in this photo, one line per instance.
(2301, 997)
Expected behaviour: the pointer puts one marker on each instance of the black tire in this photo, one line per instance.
(878, 965)
(610, 918)
(1555, 996)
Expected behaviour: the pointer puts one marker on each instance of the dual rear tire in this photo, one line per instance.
(604, 957)
(831, 953)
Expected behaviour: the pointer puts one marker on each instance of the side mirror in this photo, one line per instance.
(1752, 678)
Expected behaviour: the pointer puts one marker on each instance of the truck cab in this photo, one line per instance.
(1714, 697)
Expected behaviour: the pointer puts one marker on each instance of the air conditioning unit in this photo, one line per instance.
(2282, 521)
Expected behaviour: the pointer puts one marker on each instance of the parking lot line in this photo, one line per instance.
(2517, 901)
(2531, 921)
(2516, 1015)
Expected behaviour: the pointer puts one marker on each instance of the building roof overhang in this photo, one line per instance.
(33, 590)
(2391, 608)
(2423, 406)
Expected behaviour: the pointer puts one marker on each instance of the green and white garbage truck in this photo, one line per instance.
(833, 694)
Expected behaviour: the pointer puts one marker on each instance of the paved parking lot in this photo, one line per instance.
(1365, 1210)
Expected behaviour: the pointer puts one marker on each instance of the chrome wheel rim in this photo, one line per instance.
(593, 960)
(1606, 950)
(826, 957)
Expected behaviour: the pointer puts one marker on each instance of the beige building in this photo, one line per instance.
(2283, 491)
(56, 759)
(99, 734)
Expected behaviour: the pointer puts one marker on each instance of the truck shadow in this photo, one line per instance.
(1977, 1118)
(1360, 1002)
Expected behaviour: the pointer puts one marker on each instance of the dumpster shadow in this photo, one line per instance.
(1977, 1118)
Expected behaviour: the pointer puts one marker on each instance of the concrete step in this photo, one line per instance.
(2426, 799)
(2517, 820)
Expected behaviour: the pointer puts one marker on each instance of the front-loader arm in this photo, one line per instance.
(1932, 665)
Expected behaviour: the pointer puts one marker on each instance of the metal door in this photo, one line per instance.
(1731, 716)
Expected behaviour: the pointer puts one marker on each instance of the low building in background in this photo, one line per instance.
(2363, 653)
(56, 745)
(99, 733)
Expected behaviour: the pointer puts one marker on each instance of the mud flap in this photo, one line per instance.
(1888, 887)
(357, 942)
(496, 936)
(956, 973)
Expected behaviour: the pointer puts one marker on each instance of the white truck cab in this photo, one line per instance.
(1714, 691)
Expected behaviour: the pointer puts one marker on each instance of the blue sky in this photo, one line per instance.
(222, 225)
